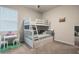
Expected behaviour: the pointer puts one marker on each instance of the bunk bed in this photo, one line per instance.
(36, 33)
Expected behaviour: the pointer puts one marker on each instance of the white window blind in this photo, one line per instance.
(8, 19)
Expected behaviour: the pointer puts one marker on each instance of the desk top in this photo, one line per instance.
(11, 36)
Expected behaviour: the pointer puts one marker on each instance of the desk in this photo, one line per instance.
(10, 38)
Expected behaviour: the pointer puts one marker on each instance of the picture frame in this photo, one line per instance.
(62, 19)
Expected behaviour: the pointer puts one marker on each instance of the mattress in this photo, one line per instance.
(41, 36)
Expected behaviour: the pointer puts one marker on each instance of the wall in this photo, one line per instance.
(24, 12)
(64, 32)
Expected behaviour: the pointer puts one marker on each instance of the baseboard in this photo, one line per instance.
(76, 46)
(63, 43)
(66, 44)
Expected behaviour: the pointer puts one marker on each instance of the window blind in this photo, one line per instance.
(8, 19)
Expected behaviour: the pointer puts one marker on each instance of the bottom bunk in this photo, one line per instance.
(42, 40)
(37, 40)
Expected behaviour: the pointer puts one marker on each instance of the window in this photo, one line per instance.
(8, 19)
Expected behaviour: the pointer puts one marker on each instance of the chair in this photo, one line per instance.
(16, 40)
(3, 42)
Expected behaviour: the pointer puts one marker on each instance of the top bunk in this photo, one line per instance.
(37, 22)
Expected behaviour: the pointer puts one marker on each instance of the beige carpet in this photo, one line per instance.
(50, 48)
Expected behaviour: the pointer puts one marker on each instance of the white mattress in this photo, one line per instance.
(41, 35)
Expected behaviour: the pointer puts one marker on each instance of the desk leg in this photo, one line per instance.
(4, 45)
(0, 45)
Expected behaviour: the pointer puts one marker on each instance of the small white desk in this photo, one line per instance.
(10, 38)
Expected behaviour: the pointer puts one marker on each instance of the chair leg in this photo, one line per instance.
(17, 42)
(0, 45)
(4, 45)
(13, 43)
(7, 44)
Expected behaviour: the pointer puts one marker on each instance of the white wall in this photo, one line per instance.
(24, 12)
(64, 31)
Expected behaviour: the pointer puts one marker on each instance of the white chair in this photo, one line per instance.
(16, 40)
(3, 42)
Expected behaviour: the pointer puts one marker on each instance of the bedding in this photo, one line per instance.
(42, 36)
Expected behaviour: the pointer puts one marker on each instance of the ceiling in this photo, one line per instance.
(42, 8)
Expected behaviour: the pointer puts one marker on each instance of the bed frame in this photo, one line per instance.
(31, 33)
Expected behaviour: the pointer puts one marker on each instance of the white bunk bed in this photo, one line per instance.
(32, 30)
